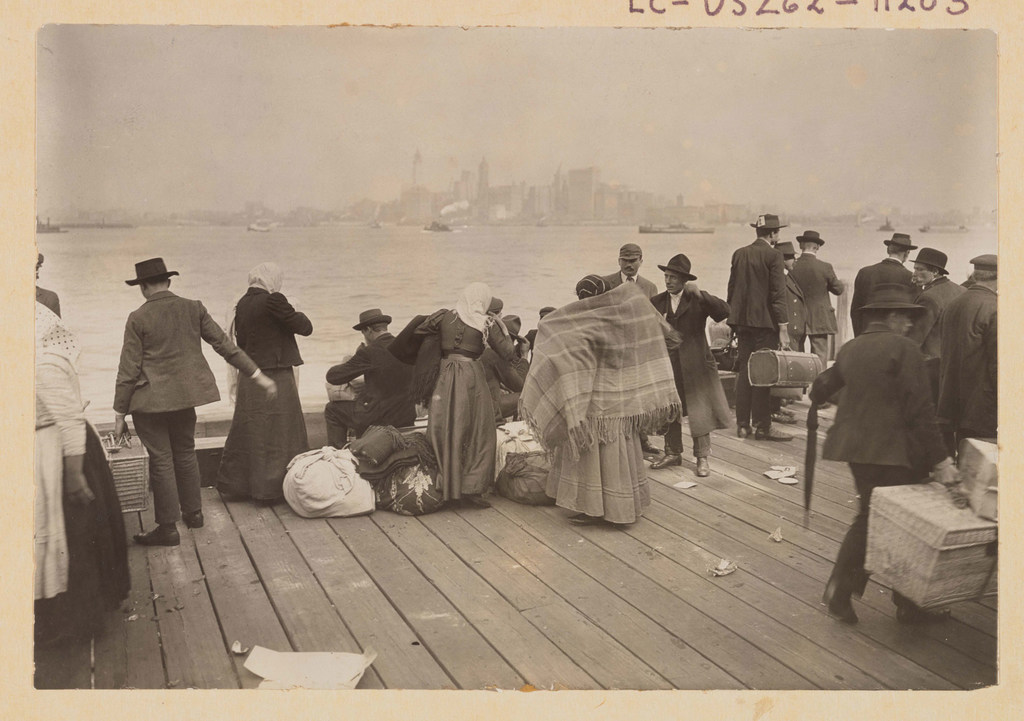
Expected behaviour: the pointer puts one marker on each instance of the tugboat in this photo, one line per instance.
(886, 226)
(438, 227)
(47, 228)
(260, 226)
(926, 228)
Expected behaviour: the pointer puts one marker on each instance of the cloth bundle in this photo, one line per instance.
(409, 491)
(323, 483)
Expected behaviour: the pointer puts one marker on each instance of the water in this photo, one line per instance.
(333, 273)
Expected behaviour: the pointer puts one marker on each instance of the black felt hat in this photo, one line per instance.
(152, 269)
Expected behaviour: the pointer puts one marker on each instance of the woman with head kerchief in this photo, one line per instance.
(461, 423)
(265, 433)
(80, 549)
(600, 376)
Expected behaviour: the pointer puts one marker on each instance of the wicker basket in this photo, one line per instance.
(130, 466)
(928, 549)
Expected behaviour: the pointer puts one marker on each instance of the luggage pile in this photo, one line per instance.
(523, 466)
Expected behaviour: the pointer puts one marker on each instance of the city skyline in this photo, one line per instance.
(204, 117)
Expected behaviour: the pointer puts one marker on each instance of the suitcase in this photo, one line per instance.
(783, 368)
(929, 550)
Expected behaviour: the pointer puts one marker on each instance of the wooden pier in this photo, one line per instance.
(515, 595)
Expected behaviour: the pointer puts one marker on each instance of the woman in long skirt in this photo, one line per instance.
(461, 423)
(266, 433)
(600, 376)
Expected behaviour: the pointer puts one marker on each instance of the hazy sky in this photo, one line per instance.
(179, 118)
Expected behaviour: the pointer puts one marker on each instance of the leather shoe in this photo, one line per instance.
(193, 520)
(780, 417)
(162, 535)
(475, 501)
(703, 468)
(743, 431)
(672, 459)
(767, 433)
(841, 610)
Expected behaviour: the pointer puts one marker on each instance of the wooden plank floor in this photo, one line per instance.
(515, 595)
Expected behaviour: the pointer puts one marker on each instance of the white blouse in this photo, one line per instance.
(59, 402)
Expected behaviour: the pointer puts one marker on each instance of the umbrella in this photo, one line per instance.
(810, 456)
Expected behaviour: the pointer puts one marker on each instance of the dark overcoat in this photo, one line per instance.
(927, 330)
(885, 415)
(817, 279)
(889, 270)
(694, 368)
(265, 328)
(757, 287)
(797, 308)
(615, 280)
(384, 399)
(968, 370)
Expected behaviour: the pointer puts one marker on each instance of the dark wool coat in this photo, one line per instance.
(797, 308)
(927, 330)
(615, 280)
(757, 287)
(265, 328)
(968, 371)
(885, 271)
(885, 415)
(384, 399)
(817, 279)
(695, 369)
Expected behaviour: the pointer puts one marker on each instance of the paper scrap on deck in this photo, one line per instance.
(313, 670)
(776, 535)
(724, 568)
(782, 474)
(683, 485)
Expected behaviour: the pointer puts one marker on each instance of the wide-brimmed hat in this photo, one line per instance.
(370, 317)
(630, 250)
(786, 248)
(901, 241)
(935, 259)
(679, 265)
(514, 325)
(989, 261)
(810, 236)
(768, 221)
(152, 269)
(892, 296)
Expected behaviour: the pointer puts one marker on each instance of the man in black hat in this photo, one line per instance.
(888, 270)
(44, 296)
(759, 313)
(816, 279)
(161, 379)
(885, 428)
(630, 260)
(968, 372)
(687, 308)
(936, 292)
(384, 399)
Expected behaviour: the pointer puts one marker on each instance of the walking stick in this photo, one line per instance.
(810, 456)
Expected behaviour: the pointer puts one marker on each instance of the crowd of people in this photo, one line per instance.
(594, 381)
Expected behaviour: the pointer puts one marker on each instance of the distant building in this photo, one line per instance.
(417, 205)
(582, 188)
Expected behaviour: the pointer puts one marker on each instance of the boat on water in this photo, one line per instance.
(926, 228)
(47, 228)
(260, 226)
(438, 227)
(674, 228)
(886, 226)
(376, 225)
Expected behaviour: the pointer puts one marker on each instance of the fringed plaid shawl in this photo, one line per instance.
(600, 369)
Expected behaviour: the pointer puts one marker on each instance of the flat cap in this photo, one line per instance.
(985, 262)
(630, 250)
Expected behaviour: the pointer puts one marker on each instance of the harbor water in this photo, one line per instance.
(332, 273)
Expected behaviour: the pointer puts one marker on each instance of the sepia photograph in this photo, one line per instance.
(515, 358)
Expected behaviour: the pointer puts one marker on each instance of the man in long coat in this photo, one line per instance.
(937, 291)
(758, 311)
(968, 372)
(687, 308)
(816, 279)
(888, 270)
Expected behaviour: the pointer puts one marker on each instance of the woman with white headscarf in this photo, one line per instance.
(80, 548)
(461, 422)
(265, 433)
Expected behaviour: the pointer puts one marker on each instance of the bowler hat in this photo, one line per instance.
(768, 221)
(892, 296)
(988, 261)
(630, 250)
(935, 259)
(680, 265)
(786, 248)
(810, 236)
(152, 269)
(901, 241)
(370, 317)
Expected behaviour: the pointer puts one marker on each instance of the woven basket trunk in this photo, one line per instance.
(130, 468)
(929, 550)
